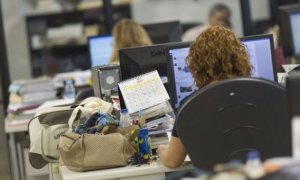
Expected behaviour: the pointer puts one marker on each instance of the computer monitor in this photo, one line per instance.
(139, 60)
(100, 49)
(181, 82)
(289, 20)
(261, 51)
(164, 32)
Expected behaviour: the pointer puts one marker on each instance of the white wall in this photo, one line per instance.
(260, 9)
(16, 38)
(148, 11)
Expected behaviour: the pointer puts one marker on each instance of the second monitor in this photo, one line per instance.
(165, 32)
(139, 60)
(289, 21)
(100, 49)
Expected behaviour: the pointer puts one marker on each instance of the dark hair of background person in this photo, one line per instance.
(225, 11)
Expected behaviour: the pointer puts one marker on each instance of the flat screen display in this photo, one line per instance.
(100, 49)
(295, 26)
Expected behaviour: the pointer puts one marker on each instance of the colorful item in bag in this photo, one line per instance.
(96, 123)
(135, 141)
(92, 120)
(106, 120)
(144, 152)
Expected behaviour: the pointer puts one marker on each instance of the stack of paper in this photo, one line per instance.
(81, 78)
(47, 5)
(68, 31)
(28, 94)
(160, 125)
(158, 140)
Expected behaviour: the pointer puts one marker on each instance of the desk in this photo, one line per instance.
(145, 172)
(18, 126)
(12, 128)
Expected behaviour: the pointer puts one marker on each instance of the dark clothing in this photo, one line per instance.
(174, 130)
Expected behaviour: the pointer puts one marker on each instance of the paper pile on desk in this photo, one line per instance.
(160, 125)
(81, 78)
(29, 94)
(158, 129)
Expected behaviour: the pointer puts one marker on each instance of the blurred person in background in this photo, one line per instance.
(219, 15)
(128, 33)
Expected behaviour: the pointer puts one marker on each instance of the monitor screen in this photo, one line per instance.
(295, 26)
(261, 51)
(100, 49)
(181, 82)
(164, 32)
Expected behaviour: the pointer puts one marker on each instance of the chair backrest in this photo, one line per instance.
(84, 93)
(227, 119)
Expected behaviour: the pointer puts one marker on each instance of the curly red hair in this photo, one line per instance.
(217, 54)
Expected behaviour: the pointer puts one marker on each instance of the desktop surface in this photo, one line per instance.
(100, 49)
(153, 171)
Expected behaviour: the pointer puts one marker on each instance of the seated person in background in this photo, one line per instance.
(217, 54)
(219, 15)
(127, 33)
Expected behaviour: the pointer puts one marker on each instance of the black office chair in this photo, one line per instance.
(228, 119)
(84, 93)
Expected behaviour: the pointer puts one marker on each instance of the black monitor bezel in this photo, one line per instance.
(123, 51)
(290, 13)
(89, 45)
(285, 23)
(165, 25)
(171, 75)
(271, 40)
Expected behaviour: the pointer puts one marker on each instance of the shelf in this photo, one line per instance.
(80, 8)
(71, 51)
(63, 44)
(63, 49)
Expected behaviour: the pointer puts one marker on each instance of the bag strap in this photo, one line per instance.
(73, 117)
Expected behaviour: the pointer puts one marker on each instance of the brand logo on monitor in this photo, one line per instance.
(160, 52)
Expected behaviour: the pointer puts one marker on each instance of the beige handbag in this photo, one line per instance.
(94, 151)
(49, 123)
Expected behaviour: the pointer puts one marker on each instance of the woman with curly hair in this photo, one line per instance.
(128, 33)
(217, 54)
